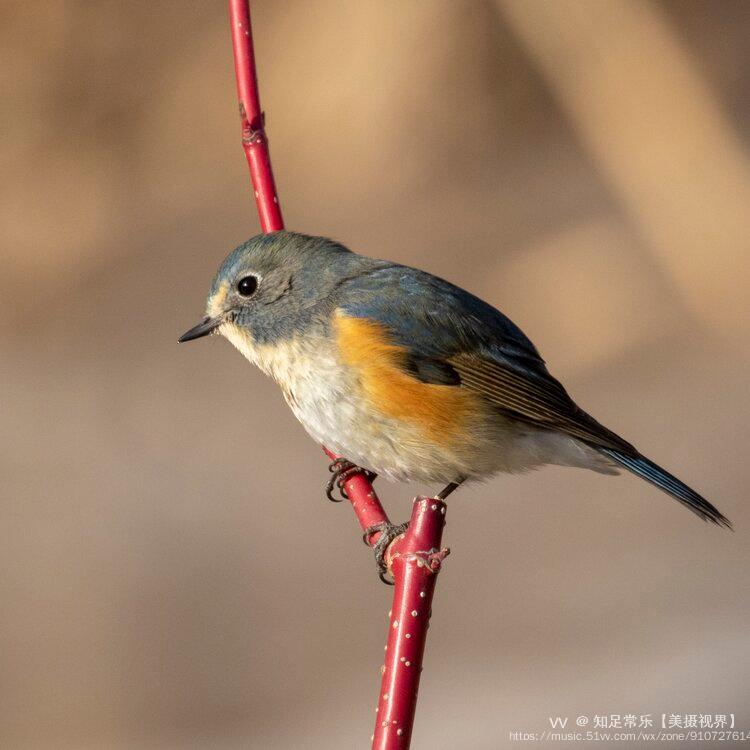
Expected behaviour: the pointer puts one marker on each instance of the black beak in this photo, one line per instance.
(206, 326)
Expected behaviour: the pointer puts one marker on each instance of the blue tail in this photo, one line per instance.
(648, 470)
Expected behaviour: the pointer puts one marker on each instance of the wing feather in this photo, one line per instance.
(541, 401)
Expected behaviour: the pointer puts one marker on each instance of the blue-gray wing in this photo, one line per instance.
(454, 338)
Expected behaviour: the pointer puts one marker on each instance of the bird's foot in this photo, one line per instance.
(388, 532)
(341, 471)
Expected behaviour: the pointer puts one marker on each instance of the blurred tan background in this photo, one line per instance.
(172, 575)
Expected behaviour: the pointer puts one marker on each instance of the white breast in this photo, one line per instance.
(311, 379)
(326, 398)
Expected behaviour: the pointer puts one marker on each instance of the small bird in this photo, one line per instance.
(405, 374)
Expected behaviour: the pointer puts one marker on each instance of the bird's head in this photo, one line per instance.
(271, 286)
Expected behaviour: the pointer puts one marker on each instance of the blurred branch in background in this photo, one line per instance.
(652, 124)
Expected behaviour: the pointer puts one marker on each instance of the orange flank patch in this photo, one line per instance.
(443, 412)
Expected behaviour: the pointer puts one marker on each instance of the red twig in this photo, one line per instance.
(364, 500)
(415, 557)
(254, 140)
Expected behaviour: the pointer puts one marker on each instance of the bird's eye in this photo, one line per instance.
(247, 285)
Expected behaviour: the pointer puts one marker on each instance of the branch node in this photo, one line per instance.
(431, 559)
(252, 132)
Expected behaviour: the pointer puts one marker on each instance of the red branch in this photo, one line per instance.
(254, 140)
(414, 561)
(415, 557)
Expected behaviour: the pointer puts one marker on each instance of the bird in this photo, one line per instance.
(406, 375)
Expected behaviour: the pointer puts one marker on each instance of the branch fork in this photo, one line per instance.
(402, 548)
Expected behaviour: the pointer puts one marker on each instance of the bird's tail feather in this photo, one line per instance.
(648, 470)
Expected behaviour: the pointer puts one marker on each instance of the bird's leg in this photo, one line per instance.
(342, 470)
(388, 532)
(449, 488)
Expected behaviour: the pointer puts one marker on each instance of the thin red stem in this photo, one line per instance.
(415, 557)
(254, 140)
(365, 502)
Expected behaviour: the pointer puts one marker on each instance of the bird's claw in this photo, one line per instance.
(388, 532)
(341, 471)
